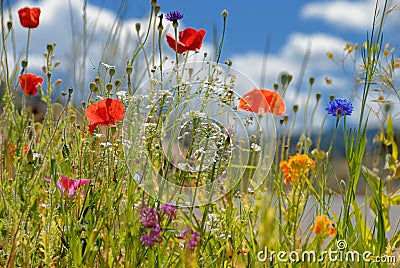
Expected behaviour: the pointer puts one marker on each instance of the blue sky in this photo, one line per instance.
(290, 25)
(249, 22)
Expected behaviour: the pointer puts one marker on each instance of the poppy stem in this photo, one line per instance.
(28, 40)
(146, 59)
(219, 50)
(176, 56)
(176, 47)
(145, 39)
(160, 52)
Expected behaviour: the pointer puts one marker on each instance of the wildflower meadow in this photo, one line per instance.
(157, 160)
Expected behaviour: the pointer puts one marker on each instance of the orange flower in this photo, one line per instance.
(29, 17)
(262, 101)
(188, 39)
(297, 166)
(13, 150)
(322, 226)
(29, 83)
(105, 112)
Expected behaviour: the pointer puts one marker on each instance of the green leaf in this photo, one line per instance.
(395, 199)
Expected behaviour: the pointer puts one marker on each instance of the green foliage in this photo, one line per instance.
(102, 224)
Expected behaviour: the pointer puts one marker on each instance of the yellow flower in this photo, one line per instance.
(297, 166)
(322, 226)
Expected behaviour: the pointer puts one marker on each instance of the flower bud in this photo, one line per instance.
(50, 48)
(97, 79)
(57, 63)
(224, 13)
(331, 97)
(117, 83)
(72, 118)
(276, 87)
(285, 78)
(308, 142)
(153, 3)
(9, 25)
(24, 63)
(285, 118)
(129, 69)
(228, 62)
(92, 86)
(328, 80)
(312, 80)
(58, 82)
(318, 96)
(295, 108)
(137, 26)
(111, 71)
(156, 10)
(109, 87)
(70, 90)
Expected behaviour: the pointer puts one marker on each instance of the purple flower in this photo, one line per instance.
(339, 107)
(174, 16)
(169, 210)
(149, 217)
(66, 184)
(148, 239)
(192, 238)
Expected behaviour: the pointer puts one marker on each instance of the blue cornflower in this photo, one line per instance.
(339, 107)
(174, 16)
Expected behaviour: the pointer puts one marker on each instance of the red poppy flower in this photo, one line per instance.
(105, 112)
(188, 39)
(29, 83)
(29, 17)
(262, 101)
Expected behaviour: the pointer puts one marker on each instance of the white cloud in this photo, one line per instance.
(290, 57)
(356, 15)
(61, 22)
(352, 15)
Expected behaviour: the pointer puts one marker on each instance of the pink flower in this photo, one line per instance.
(67, 184)
(192, 238)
